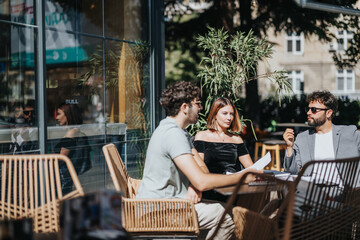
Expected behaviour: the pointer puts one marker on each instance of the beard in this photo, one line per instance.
(317, 122)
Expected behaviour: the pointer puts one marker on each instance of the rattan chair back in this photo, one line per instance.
(150, 217)
(327, 202)
(119, 175)
(31, 188)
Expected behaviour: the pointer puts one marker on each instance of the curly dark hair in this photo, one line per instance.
(326, 98)
(175, 95)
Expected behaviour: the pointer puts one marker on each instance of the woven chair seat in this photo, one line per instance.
(247, 225)
(173, 217)
(162, 215)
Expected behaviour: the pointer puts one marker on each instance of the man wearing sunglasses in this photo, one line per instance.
(25, 137)
(325, 140)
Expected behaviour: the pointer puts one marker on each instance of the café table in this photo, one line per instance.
(298, 127)
(252, 196)
(292, 125)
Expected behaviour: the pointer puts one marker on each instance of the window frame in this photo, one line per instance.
(347, 36)
(294, 37)
(293, 75)
(345, 75)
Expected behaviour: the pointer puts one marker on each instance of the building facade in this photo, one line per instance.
(310, 66)
(99, 63)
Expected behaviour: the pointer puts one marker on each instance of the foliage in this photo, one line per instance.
(294, 111)
(278, 16)
(230, 62)
(285, 111)
(139, 51)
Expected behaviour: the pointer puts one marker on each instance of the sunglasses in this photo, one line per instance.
(315, 110)
(28, 112)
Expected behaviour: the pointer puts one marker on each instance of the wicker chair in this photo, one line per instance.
(31, 188)
(149, 217)
(273, 221)
(327, 202)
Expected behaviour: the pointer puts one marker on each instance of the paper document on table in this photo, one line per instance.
(259, 164)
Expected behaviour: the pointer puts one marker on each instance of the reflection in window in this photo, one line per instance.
(126, 20)
(294, 43)
(110, 86)
(18, 121)
(296, 79)
(21, 11)
(345, 80)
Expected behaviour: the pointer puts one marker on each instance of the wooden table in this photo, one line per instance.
(251, 197)
(245, 189)
(298, 127)
(291, 125)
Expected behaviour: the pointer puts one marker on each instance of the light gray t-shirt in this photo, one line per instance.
(162, 178)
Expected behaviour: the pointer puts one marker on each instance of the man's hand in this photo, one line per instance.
(193, 194)
(289, 138)
(251, 177)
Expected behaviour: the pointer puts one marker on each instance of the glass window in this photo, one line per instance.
(60, 15)
(94, 94)
(127, 91)
(76, 125)
(21, 11)
(289, 46)
(75, 16)
(126, 20)
(296, 79)
(343, 39)
(345, 80)
(294, 43)
(90, 15)
(18, 116)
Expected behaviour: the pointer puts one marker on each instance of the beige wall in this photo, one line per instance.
(316, 64)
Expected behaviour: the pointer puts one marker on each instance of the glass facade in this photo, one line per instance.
(98, 81)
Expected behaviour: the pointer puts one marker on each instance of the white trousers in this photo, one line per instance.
(209, 214)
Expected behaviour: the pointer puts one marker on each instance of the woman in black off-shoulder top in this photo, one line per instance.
(221, 150)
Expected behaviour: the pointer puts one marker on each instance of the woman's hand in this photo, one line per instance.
(193, 194)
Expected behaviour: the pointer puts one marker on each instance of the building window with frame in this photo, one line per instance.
(296, 79)
(294, 43)
(345, 80)
(343, 39)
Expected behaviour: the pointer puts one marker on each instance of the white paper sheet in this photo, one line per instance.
(259, 164)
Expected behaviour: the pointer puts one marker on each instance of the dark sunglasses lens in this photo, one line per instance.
(28, 112)
(312, 109)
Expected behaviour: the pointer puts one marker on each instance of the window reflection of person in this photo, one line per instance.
(24, 137)
(74, 144)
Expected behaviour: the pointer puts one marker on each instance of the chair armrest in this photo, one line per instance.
(159, 215)
(133, 186)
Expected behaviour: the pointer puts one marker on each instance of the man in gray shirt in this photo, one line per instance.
(173, 168)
